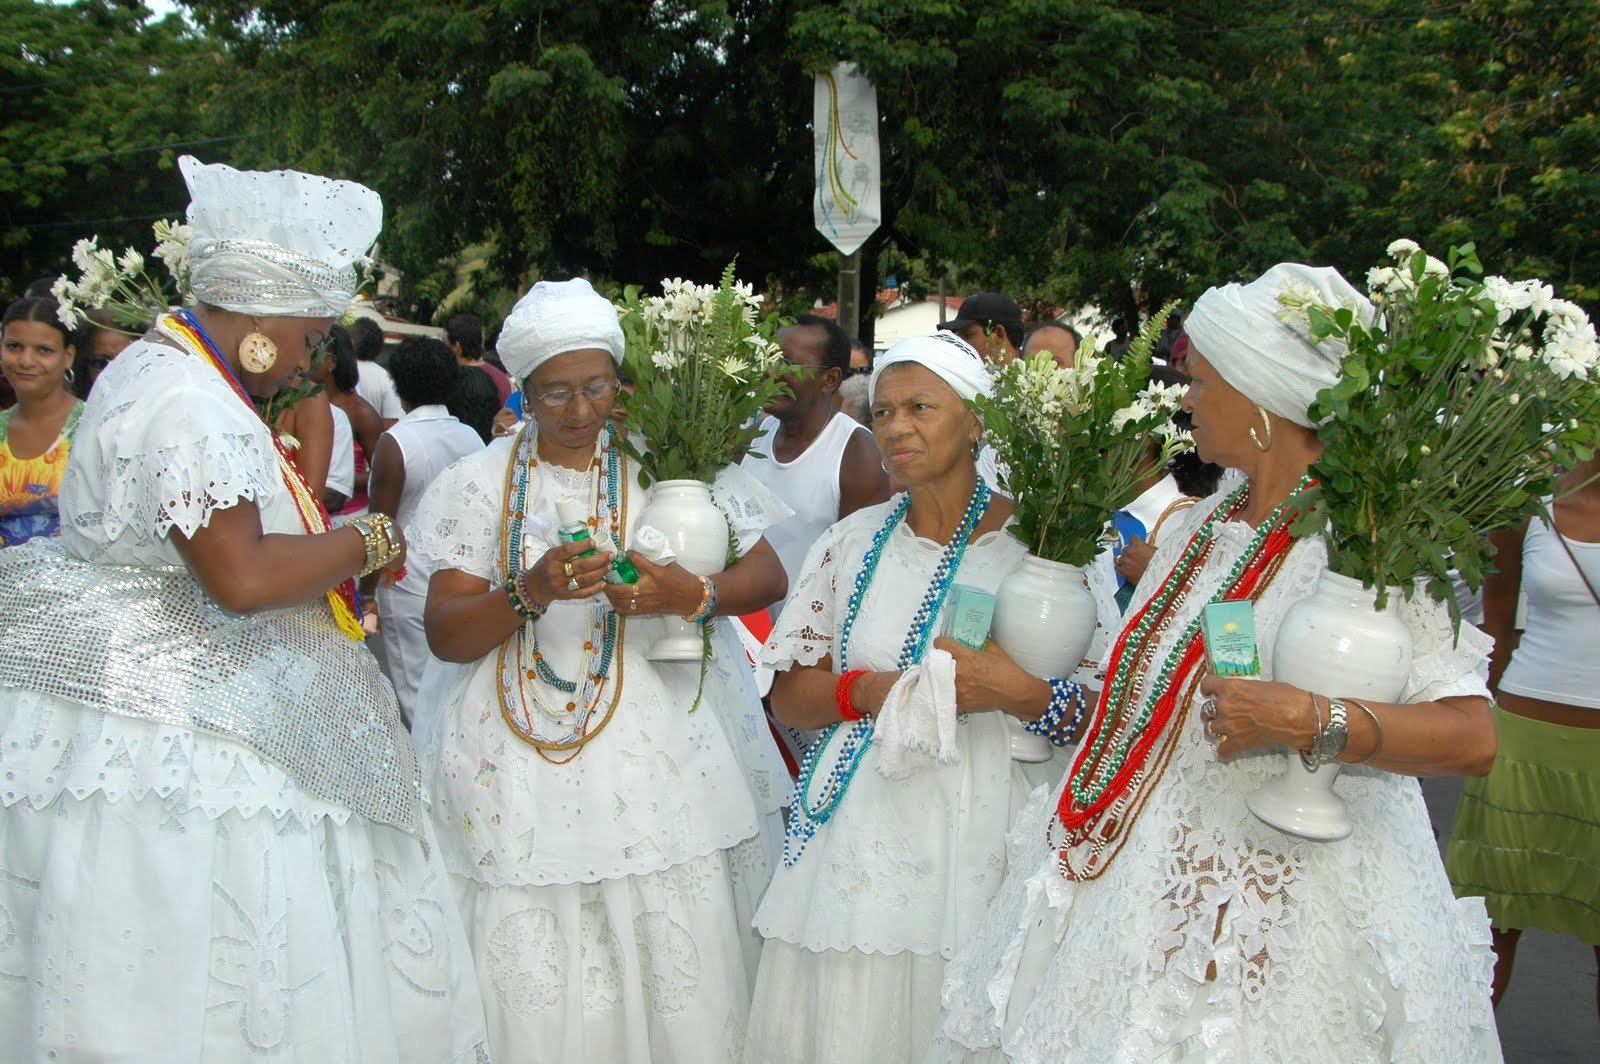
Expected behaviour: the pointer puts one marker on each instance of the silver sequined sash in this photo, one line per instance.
(147, 643)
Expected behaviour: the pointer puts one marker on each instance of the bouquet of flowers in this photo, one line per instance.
(123, 284)
(1452, 412)
(1074, 443)
(700, 357)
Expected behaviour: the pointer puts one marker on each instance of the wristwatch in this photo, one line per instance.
(1330, 741)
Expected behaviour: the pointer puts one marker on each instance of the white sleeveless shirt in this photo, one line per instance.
(809, 485)
(431, 440)
(1556, 659)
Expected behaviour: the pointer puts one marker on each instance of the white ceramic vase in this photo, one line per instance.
(1332, 643)
(682, 510)
(1044, 618)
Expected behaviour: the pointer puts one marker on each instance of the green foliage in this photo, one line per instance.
(1075, 443)
(98, 104)
(702, 363)
(1450, 415)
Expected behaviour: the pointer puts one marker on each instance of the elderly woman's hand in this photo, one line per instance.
(989, 679)
(1133, 559)
(1249, 714)
(561, 574)
(661, 589)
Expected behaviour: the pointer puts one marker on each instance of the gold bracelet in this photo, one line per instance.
(377, 536)
(1377, 726)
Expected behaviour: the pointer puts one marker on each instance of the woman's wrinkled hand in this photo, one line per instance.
(1133, 559)
(661, 589)
(989, 679)
(1241, 715)
(561, 574)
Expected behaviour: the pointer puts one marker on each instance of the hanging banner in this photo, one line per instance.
(845, 124)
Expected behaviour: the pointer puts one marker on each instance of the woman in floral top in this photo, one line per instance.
(35, 435)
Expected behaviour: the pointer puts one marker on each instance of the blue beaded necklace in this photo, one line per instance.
(805, 816)
(570, 724)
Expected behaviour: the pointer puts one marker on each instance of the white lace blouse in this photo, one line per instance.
(1352, 950)
(903, 865)
(660, 786)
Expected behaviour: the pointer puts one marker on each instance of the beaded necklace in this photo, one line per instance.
(343, 599)
(522, 666)
(1117, 748)
(806, 815)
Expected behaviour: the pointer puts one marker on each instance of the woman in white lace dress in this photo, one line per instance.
(891, 855)
(608, 838)
(212, 840)
(1146, 914)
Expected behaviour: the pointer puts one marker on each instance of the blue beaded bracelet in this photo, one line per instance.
(1054, 724)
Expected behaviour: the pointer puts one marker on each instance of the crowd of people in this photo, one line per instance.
(230, 830)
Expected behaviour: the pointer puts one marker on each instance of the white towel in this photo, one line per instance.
(916, 728)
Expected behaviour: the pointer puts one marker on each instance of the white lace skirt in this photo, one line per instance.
(654, 968)
(140, 930)
(843, 1006)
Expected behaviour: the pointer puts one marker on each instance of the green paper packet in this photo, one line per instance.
(1229, 629)
(968, 615)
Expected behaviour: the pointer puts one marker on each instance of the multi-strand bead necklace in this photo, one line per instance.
(343, 600)
(1127, 724)
(560, 727)
(806, 814)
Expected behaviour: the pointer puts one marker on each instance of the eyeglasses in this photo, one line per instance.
(594, 391)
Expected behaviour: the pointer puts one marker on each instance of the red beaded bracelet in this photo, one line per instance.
(841, 694)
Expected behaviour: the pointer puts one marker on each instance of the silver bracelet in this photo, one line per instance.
(1333, 735)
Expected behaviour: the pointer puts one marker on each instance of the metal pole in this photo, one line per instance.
(850, 293)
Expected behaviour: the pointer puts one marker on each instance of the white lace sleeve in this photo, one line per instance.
(804, 630)
(457, 523)
(1442, 663)
(749, 505)
(202, 452)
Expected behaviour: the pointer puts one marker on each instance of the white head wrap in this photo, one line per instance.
(556, 317)
(1241, 330)
(956, 362)
(281, 243)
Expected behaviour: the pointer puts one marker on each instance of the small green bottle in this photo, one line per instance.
(575, 529)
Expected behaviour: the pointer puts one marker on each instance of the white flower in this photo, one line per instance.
(83, 253)
(666, 360)
(1432, 266)
(1381, 278)
(735, 368)
(131, 261)
(1403, 249)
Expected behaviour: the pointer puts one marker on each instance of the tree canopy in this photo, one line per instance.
(1067, 151)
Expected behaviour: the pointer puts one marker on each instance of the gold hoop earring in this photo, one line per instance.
(257, 352)
(1266, 425)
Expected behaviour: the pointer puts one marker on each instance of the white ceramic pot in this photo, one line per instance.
(1333, 643)
(682, 510)
(1044, 618)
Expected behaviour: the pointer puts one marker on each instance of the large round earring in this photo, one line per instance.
(1267, 426)
(257, 352)
(71, 377)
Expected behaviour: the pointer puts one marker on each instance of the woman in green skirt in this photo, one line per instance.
(1527, 836)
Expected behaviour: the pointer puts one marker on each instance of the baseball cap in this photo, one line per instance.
(987, 309)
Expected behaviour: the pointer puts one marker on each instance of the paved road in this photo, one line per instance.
(1548, 1015)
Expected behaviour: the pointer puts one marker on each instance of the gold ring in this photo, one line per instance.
(633, 603)
(567, 568)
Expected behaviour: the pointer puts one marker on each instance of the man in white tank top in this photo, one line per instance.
(818, 460)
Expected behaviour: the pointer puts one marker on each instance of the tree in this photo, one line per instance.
(99, 103)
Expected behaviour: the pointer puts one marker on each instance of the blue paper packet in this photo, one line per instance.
(968, 614)
(1229, 629)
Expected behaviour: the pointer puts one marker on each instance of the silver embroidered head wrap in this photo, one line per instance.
(955, 361)
(277, 243)
(1261, 345)
(554, 318)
